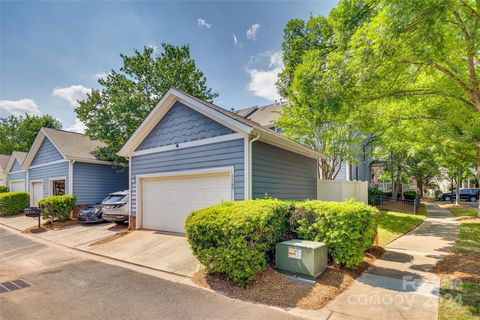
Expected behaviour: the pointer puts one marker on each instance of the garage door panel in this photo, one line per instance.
(17, 186)
(166, 202)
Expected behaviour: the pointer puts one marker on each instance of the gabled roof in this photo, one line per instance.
(71, 145)
(229, 119)
(16, 155)
(3, 161)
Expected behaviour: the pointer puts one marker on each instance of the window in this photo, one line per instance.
(58, 187)
(113, 198)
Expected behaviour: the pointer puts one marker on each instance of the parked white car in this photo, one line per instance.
(115, 207)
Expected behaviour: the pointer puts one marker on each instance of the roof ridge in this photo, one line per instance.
(66, 131)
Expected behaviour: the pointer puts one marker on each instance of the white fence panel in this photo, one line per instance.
(341, 190)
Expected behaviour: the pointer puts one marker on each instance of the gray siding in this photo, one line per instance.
(16, 166)
(46, 153)
(221, 154)
(282, 174)
(182, 124)
(17, 176)
(46, 172)
(93, 182)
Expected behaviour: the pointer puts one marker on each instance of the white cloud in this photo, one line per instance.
(252, 31)
(19, 107)
(263, 70)
(78, 126)
(235, 40)
(101, 75)
(72, 93)
(203, 23)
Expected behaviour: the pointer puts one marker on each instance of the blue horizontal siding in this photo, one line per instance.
(17, 176)
(282, 174)
(47, 172)
(93, 182)
(46, 153)
(182, 124)
(221, 154)
(16, 166)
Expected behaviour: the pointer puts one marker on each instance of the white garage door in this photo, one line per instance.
(37, 192)
(167, 201)
(17, 186)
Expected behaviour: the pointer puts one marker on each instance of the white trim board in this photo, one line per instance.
(189, 144)
(47, 164)
(209, 171)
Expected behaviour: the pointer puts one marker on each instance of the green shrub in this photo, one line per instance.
(57, 208)
(3, 189)
(411, 195)
(348, 228)
(13, 202)
(235, 238)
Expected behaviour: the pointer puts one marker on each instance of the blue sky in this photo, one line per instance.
(52, 53)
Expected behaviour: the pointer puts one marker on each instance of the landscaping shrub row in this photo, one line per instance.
(237, 238)
(3, 189)
(12, 203)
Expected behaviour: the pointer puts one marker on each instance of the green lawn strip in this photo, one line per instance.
(394, 224)
(468, 240)
(464, 212)
(460, 300)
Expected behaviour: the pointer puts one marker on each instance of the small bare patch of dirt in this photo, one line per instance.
(274, 288)
(452, 205)
(395, 206)
(459, 266)
(55, 225)
(468, 219)
(109, 238)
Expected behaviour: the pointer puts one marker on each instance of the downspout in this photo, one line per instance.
(250, 169)
(70, 177)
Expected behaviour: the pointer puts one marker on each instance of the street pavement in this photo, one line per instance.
(66, 284)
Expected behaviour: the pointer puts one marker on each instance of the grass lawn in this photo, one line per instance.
(394, 224)
(462, 211)
(460, 288)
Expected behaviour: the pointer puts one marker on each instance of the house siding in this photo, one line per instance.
(17, 176)
(282, 174)
(182, 124)
(16, 166)
(46, 172)
(46, 153)
(93, 182)
(214, 155)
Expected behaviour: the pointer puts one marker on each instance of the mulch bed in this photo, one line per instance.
(55, 225)
(274, 288)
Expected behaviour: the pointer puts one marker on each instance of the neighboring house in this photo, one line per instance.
(189, 154)
(62, 162)
(3, 164)
(16, 176)
(267, 115)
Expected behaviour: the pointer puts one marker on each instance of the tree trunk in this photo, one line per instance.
(457, 190)
(419, 184)
(478, 173)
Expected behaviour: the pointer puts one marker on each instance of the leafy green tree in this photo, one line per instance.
(113, 113)
(18, 133)
(424, 50)
(321, 87)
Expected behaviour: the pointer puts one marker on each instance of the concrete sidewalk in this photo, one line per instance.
(402, 284)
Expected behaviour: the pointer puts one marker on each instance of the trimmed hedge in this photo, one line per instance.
(13, 202)
(410, 195)
(348, 228)
(3, 189)
(57, 207)
(235, 238)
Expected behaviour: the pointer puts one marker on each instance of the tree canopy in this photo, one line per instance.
(113, 112)
(18, 133)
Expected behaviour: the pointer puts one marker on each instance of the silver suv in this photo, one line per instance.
(115, 207)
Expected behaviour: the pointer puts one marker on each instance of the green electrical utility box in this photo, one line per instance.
(307, 259)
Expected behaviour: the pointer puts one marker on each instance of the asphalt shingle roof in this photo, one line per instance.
(74, 145)
(3, 161)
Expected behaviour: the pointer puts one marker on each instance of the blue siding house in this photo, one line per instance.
(16, 177)
(189, 154)
(62, 162)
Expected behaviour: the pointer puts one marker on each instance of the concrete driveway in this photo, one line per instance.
(152, 249)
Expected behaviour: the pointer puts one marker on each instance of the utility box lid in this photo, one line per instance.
(307, 259)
